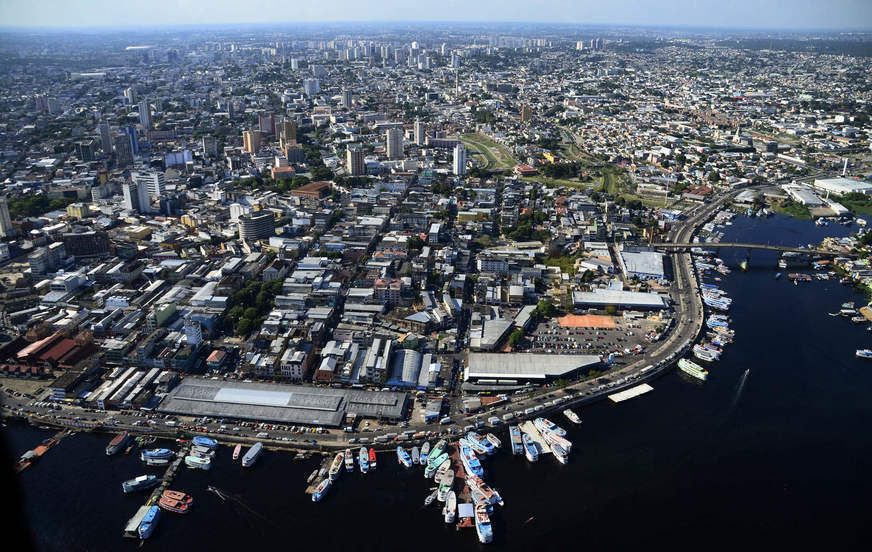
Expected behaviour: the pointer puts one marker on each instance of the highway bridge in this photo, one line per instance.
(736, 245)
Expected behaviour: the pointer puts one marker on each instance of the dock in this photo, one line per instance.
(459, 472)
(530, 429)
(31, 456)
(130, 530)
(630, 393)
(325, 465)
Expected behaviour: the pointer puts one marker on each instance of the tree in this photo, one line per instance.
(515, 337)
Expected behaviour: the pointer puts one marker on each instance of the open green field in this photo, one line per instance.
(498, 156)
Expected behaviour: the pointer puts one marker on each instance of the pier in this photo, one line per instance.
(29, 457)
(324, 466)
(530, 429)
(130, 530)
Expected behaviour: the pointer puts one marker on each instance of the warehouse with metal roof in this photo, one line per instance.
(518, 368)
(274, 402)
(601, 298)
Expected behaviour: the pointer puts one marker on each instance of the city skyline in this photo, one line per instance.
(765, 15)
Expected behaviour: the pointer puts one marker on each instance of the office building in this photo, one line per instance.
(354, 160)
(286, 130)
(347, 99)
(123, 150)
(459, 164)
(266, 123)
(257, 226)
(210, 146)
(130, 95)
(85, 150)
(394, 143)
(133, 138)
(153, 182)
(6, 229)
(135, 197)
(311, 87)
(145, 115)
(420, 135)
(251, 140)
(105, 138)
(86, 244)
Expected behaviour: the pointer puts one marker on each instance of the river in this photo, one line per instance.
(773, 450)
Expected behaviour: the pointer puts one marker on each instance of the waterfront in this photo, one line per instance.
(779, 460)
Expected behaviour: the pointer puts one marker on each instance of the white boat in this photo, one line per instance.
(449, 511)
(321, 490)
(425, 453)
(494, 440)
(546, 424)
(349, 460)
(336, 466)
(560, 453)
(251, 456)
(430, 498)
(572, 416)
(198, 463)
(237, 450)
(531, 450)
(445, 484)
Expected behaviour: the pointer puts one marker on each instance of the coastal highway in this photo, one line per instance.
(688, 320)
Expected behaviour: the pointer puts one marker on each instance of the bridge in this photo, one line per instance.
(736, 245)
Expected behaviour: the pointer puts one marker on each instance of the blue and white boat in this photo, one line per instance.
(483, 524)
(515, 439)
(425, 453)
(363, 460)
(531, 450)
(321, 489)
(158, 456)
(403, 457)
(544, 424)
(469, 460)
(485, 445)
(477, 447)
(207, 442)
(149, 522)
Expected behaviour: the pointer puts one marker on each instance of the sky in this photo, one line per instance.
(768, 14)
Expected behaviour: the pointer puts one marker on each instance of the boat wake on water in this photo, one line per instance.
(236, 500)
(739, 389)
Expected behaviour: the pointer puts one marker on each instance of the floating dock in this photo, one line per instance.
(325, 465)
(131, 529)
(630, 393)
(530, 429)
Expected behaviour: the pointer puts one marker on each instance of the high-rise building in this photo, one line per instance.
(153, 182)
(251, 140)
(526, 114)
(266, 123)
(257, 226)
(123, 150)
(130, 95)
(459, 163)
(311, 87)
(420, 135)
(6, 228)
(347, 99)
(394, 143)
(85, 150)
(354, 160)
(455, 60)
(105, 138)
(295, 64)
(133, 138)
(210, 146)
(145, 115)
(286, 130)
(131, 196)
(193, 332)
(86, 243)
(579, 45)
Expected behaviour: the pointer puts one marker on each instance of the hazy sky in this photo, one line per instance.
(789, 14)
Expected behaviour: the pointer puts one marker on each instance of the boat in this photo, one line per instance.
(430, 498)
(560, 453)
(483, 525)
(372, 459)
(175, 501)
(445, 484)
(206, 442)
(145, 440)
(349, 460)
(148, 523)
(437, 450)
(434, 464)
(251, 456)
(156, 454)
(572, 416)
(864, 353)
(416, 455)
(692, 369)
(777, 275)
(449, 511)
(202, 451)
(489, 495)
(321, 490)
(312, 476)
(403, 457)
(515, 440)
(484, 445)
(492, 439)
(470, 460)
(363, 460)
(236, 451)
(117, 443)
(425, 453)
(198, 462)
(336, 466)
(553, 439)
(545, 423)
(707, 354)
(442, 472)
(141, 483)
(531, 451)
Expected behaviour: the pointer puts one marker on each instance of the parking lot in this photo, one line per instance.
(622, 338)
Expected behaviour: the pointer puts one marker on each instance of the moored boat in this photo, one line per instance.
(237, 450)
(488, 494)
(483, 524)
(531, 450)
(372, 459)
(449, 511)
(425, 453)
(572, 416)
(416, 455)
(430, 498)
(403, 457)
(202, 441)
(141, 483)
(692, 369)
(470, 460)
(198, 462)
(336, 466)
(156, 454)
(492, 439)
(434, 464)
(864, 353)
(251, 456)
(363, 460)
(349, 460)
(321, 490)
(545, 423)
(560, 453)
(445, 484)
(117, 443)
(515, 439)
(175, 501)
(148, 523)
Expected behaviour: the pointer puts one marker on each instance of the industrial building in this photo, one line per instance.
(519, 368)
(601, 298)
(281, 403)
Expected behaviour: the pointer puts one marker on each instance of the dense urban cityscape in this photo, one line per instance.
(401, 238)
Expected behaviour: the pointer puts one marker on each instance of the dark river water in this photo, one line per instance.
(773, 450)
